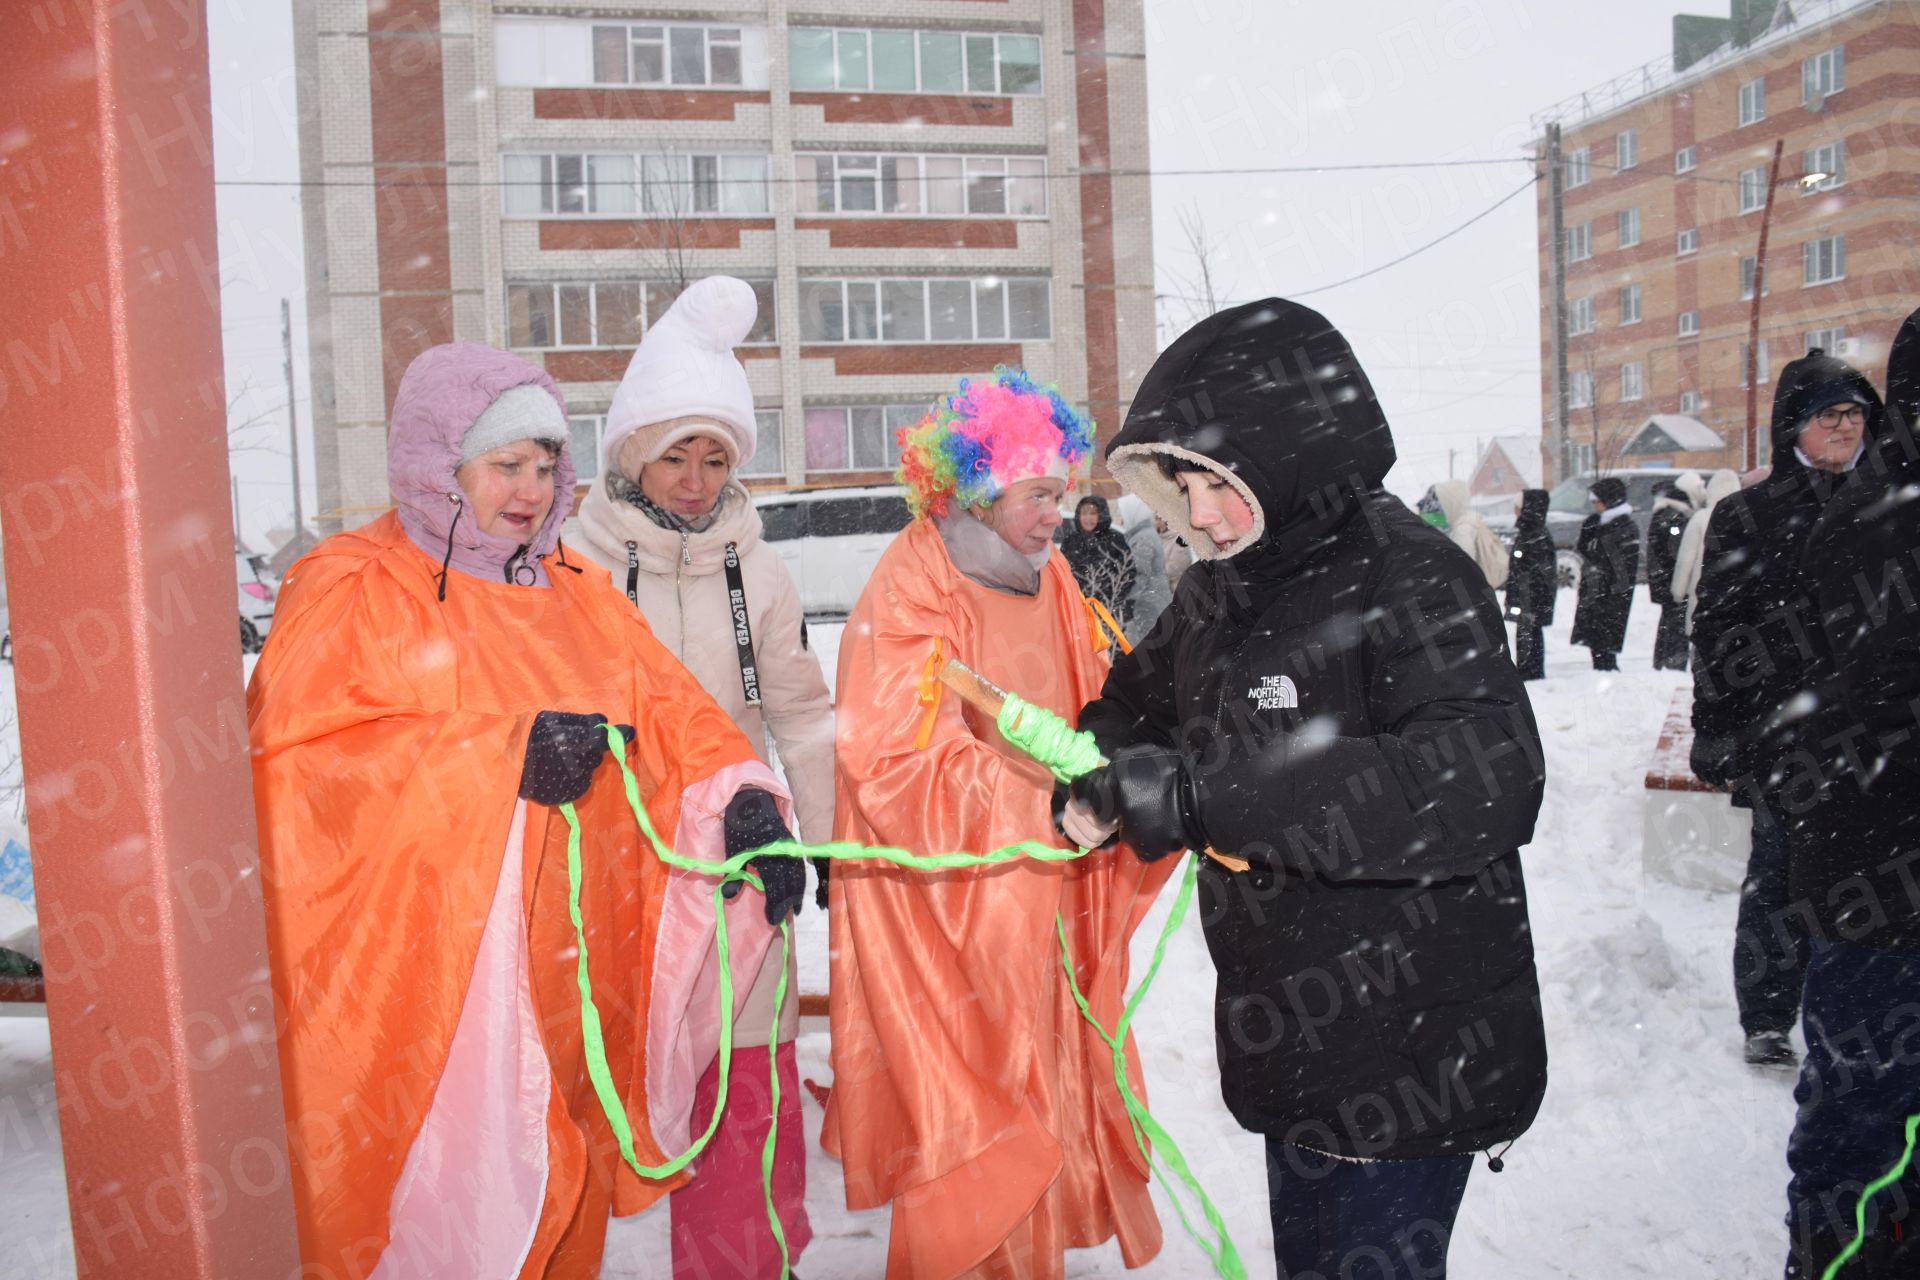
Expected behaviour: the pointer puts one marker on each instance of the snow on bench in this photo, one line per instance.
(1690, 832)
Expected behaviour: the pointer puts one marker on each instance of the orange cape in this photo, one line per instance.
(967, 1088)
(439, 1112)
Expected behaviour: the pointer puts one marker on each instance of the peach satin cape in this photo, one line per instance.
(441, 1120)
(968, 1091)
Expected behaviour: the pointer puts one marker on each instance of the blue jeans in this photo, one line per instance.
(1384, 1220)
(1860, 1082)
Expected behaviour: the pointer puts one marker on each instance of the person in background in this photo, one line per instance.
(1755, 674)
(1533, 583)
(1152, 591)
(1665, 528)
(1179, 555)
(436, 686)
(1852, 856)
(969, 1093)
(1609, 547)
(1306, 705)
(681, 538)
(1691, 557)
(1470, 532)
(1100, 558)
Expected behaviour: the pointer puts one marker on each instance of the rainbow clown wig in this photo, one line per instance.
(996, 432)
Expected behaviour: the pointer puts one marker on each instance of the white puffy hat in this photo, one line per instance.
(684, 379)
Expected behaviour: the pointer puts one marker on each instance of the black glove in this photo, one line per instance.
(820, 872)
(753, 822)
(1149, 790)
(562, 752)
(1714, 759)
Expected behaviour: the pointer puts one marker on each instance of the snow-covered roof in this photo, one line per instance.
(1673, 433)
(1524, 453)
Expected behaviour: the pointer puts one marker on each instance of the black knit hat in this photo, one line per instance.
(1809, 384)
(1610, 491)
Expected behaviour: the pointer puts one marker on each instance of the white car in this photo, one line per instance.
(831, 539)
(257, 591)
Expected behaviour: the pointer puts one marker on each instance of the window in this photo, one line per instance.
(1823, 260)
(855, 61)
(1831, 341)
(1579, 389)
(584, 434)
(1629, 304)
(768, 453)
(1823, 75)
(624, 185)
(668, 54)
(1580, 316)
(1689, 402)
(606, 313)
(984, 308)
(1629, 224)
(1687, 242)
(1581, 456)
(1753, 190)
(1579, 167)
(1689, 324)
(1829, 158)
(1626, 149)
(1684, 160)
(1632, 382)
(937, 185)
(1580, 242)
(1761, 364)
(1746, 280)
(1753, 102)
(857, 438)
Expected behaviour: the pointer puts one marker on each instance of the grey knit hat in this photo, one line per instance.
(522, 413)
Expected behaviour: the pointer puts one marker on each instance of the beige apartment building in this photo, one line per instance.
(918, 192)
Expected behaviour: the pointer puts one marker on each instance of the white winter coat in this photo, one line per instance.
(679, 582)
(1471, 533)
(1693, 541)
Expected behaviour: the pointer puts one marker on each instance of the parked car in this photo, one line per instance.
(831, 539)
(1569, 504)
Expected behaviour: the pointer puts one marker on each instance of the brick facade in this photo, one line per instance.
(1692, 325)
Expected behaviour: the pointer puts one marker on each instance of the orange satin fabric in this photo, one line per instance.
(967, 1089)
(388, 731)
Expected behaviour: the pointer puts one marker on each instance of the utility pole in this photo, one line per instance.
(293, 428)
(1753, 312)
(1557, 303)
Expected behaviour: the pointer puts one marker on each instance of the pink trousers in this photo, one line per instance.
(720, 1229)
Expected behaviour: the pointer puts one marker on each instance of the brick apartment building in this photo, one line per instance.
(1665, 184)
(916, 190)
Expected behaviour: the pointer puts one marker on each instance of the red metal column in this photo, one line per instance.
(113, 489)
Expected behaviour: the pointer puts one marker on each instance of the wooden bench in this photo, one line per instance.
(1690, 832)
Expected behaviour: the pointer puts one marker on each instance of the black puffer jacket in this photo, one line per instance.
(1352, 724)
(1101, 560)
(1664, 530)
(1856, 852)
(1533, 575)
(1609, 563)
(1754, 628)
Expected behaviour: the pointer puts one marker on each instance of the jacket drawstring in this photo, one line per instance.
(516, 565)
(563, 556)
(447, 559)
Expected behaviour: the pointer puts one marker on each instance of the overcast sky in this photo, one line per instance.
(1450, 337)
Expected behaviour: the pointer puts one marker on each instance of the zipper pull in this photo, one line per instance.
(686, 548)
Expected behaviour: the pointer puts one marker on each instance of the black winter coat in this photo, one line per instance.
(1754, 629)
(1664, 530)
(1341, 693)
(1101, 561)
(1533, 573)
(1610, 561)
(1855, 853)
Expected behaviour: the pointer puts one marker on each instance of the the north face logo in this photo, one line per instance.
(1274, 692)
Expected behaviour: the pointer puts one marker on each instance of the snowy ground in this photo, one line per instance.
(1657, 1153)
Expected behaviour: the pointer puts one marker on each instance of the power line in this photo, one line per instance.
(1371, 271)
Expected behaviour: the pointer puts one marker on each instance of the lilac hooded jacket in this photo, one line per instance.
(444, 391)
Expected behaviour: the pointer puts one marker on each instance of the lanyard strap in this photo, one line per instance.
(742, 628)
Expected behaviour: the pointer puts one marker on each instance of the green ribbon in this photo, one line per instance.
(1867, 1193)
(1033, 734)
